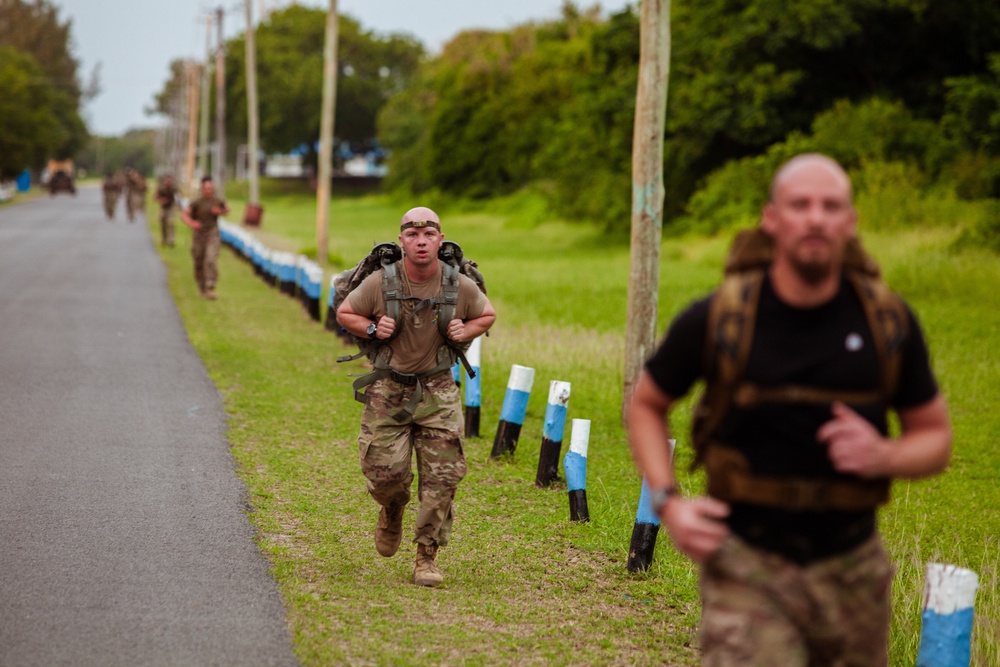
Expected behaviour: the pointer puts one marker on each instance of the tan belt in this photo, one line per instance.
(748, 395)
(731, 480)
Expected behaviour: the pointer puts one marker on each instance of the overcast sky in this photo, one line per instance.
(135, 40)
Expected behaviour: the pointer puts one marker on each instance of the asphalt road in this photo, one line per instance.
(123, 533)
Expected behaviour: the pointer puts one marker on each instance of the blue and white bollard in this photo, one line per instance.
(647, 525)
(473, 389)
(552, 434)
(515, 406)
(314, 289)
(331, 315)
(575, 464)
(946, 631)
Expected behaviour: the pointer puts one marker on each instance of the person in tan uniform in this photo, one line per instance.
(202, 215)
(135, 198)
(166, 197)
(416, 405)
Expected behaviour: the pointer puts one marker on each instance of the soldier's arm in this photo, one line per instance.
(695, 524)
(923, 447)
(461, 332)
(188, 220)
(357, 324)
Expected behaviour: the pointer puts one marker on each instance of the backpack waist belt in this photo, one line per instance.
(749, 395)
(731, 480)
(407, 379)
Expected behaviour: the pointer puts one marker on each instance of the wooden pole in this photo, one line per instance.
(647, 189)
(219, 168)
(252, 122)
(204, 140)
(325, 171)
(193, 93)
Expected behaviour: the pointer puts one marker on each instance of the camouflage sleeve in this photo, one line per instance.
(471, 302)
(366, 299)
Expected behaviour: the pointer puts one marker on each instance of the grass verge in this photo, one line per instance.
(523, 585)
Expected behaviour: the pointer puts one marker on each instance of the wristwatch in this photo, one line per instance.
(372, 328)
(658, 498)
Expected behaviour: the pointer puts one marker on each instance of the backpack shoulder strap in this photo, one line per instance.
(393, 293)
(889, 324)
(449, 297)
(732, 313)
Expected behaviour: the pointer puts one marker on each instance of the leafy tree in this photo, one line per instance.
(290, 78)
(35, 28)
(30, 130)
(133, 149)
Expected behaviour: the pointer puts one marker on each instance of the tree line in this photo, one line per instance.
(40, 89)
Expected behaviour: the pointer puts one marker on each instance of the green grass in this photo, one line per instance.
(523, 584)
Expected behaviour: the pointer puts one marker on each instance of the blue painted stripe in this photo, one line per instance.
(473, 389)
(645, 514)
(515, 406)
(945, 639)
(576, 471)
(555, 422)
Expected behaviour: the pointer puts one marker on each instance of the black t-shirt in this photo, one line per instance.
(829, 346)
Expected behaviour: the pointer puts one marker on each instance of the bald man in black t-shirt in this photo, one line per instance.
(792, 567)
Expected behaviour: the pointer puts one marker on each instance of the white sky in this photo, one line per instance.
(135, 40)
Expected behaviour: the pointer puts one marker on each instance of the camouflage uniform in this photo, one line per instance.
(135, 200)
(166, 196)
(112, 188)
(435, 430)
(759, 608)
(205, 242)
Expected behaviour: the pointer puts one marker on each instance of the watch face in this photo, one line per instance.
(372, 328)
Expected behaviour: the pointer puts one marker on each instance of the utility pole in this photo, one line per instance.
(647, 189)
(205, 140)
(326, 133)
(220, 107)
(252, 122)
(193, 75)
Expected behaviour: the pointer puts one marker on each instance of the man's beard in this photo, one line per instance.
(813, 273)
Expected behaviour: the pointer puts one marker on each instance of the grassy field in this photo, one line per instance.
(525, 586)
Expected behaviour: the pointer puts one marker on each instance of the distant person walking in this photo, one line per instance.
(135, 200)
(166, 197)
(202, 215)
(413, 405)
(111, 186)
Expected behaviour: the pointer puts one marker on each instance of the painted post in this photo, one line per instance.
(331, 323)
(552, 434)
(946, 631)
(515, 406)
(647, 525)
(575, 464)
(473, 389)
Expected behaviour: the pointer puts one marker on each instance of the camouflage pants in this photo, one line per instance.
(205, 244)
(110, 202)
(134, 202)
(761, 609)
(167, 225)
(434, 431)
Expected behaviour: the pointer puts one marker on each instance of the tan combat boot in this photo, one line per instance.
(389, 530)
(424, 572)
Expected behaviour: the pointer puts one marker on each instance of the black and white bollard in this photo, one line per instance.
(552, 433)
(473, 389)
(515, 406)
(946, 630)
(331, 323)
(575, 465)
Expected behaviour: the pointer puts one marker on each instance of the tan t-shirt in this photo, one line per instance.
(414, 349)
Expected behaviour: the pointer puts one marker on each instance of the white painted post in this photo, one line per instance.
(946, 632)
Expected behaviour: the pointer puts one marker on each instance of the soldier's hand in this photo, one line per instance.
(456, 331)
(696, 525)
(385, 328)
(852, 443)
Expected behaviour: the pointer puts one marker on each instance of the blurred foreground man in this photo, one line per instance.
(803, 350)
(202, 215)
(415, 405)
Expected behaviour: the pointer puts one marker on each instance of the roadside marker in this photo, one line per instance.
(515, 406)
(552, 434)
(575, 464)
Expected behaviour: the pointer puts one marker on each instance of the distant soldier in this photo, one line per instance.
(136, 198)
(112, 187)
(166, 196)
(202, 215)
